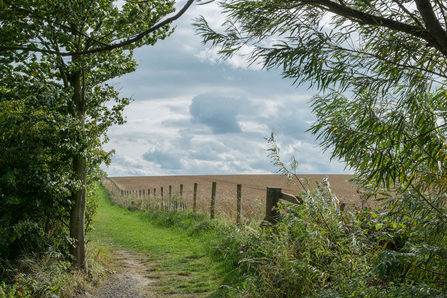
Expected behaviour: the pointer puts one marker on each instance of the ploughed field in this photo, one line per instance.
(253, 190)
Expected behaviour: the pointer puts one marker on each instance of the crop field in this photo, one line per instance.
(253, 190)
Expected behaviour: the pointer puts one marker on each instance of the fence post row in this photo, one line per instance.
(273, 196)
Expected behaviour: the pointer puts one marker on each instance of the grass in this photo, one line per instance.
(176, 257)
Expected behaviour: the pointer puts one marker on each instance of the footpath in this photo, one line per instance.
(150, 260)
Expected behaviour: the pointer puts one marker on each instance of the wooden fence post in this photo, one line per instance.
(161, 194)
(272, 199)
(213, 201)
(194, 206)
(182, 202)
(239, 204)
(170, 191)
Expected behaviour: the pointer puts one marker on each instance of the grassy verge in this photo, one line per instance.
(176, 256)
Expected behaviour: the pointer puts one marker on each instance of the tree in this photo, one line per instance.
(379, 67)
(56, 57)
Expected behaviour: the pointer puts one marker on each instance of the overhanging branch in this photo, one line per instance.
(107, 47)
(364, 18)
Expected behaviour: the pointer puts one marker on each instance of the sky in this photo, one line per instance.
(195, 114)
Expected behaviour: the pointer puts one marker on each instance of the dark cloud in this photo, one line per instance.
(166, 160)
(217, 112)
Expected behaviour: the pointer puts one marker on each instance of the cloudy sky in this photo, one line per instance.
(194, 114)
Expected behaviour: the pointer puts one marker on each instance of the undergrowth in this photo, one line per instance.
(50, 274)
(316, 250)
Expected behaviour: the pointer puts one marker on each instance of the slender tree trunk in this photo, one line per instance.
(77, 212)
(77, 215)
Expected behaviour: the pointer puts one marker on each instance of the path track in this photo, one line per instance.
(131, 280)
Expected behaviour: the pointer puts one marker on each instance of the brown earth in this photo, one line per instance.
(253, 189)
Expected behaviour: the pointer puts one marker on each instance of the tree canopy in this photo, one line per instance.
(56, 58)
(379, 71)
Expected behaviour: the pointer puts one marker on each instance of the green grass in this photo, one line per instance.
(177, 257)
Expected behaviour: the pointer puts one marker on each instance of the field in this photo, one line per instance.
(253, 190)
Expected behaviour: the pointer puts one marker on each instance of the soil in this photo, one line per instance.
(129, 281)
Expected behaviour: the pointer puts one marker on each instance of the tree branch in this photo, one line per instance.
(432, 23)
(106, 47)
(364, 18)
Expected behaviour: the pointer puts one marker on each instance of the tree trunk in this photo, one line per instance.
(77, 212)
(77, 215)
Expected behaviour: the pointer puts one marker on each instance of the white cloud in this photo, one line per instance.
(237, 61)
(163, 136)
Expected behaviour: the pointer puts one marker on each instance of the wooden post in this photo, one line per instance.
(161, 194)
(239, 204)
(170, 204)
(272, 199)
(155, 198)
(194, 206)
(182, 202)
(213, 201)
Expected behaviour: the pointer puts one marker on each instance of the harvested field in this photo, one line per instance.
(253, 190)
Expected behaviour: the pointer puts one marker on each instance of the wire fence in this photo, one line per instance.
(241, 203)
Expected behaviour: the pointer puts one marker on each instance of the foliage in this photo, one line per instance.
(34, 181)
(401, 158)
(50, 275)
(380, 69)
(315, 250)
(56, 58)
(380, 47)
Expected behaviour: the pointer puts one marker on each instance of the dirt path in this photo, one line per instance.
(131, 280)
